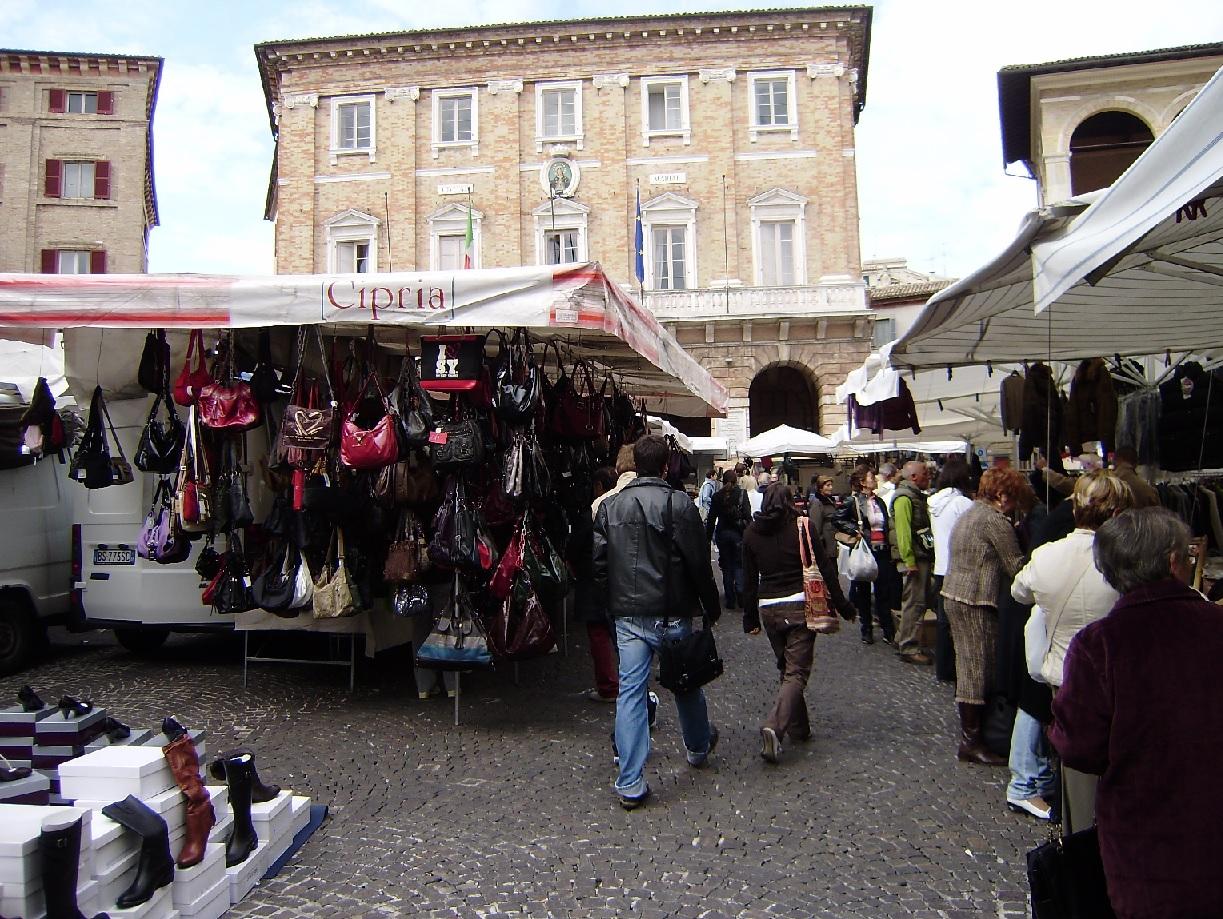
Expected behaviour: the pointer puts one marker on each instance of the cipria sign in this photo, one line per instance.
(344, 294)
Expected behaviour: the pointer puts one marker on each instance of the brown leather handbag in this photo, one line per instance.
(306, 424)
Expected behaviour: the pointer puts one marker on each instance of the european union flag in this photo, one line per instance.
(639, 244)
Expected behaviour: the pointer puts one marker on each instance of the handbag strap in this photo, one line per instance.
(805, 550)
(110, 424)
(197, 335)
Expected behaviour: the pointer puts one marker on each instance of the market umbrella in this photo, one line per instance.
(784, 439)
(1138, 271)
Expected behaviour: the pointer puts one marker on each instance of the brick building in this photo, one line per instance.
(736, 130)
(76, 161)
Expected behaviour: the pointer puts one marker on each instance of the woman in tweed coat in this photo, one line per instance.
(984, 551)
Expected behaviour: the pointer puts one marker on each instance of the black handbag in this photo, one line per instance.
(268, 382)
(92, 464)
(415, 411)
(233, 594)
(1066, 876)
(161, 443)
(456, 443)
(273, 590)
(456, 532)
(153, 373)
(516, 384)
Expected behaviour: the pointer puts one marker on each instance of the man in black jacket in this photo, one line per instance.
(651, 563)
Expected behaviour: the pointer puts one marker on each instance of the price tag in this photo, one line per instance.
(438, 437)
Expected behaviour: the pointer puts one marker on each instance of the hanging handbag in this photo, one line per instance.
(154, 364)
(1066, 877)
(93, 465)
(502, 581)
(193, 501)
(370, 448)
(579, 414)
(267, 381)
(229, 405)
(407, 558)
(208, 562)
(161, 444)
(455, 542)
(411, 601)
(190, 381)
(861, 565)
(231, 507)
(451, 363)
(1036, 643)
(815, 592)
(516, 386)
(334, 596)
(520, 628)
(456, 443)
(279, 587)
(457, 641)
(415, 409)
(232, 594)
(543, 564)
(306, 426)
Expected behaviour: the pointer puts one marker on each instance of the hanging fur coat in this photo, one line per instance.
(1092, 410)
(1042, 416)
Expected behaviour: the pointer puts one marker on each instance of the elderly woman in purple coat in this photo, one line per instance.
(1139, 706)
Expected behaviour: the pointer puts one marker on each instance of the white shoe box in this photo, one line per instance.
(245, 875)
(271, 818)
(213, 904)
(299, 815)
(196, 884)
(75, 730)
(20, 827)
(113, 773)
(157, 906)
(15, 902)
(171, 806)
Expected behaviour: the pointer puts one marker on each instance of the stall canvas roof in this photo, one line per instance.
(1139, 271)
(579, 303)
(784, 439)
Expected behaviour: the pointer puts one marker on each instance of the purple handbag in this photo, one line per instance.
(160, 538)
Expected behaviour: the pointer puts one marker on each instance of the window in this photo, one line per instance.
(558, 113)
(352, 243)
(352, 126)
(778, 236)
(669, 246)
(560, 232)
(777, 253)
(73, 261)
(668, 225)
(455, 119)
(447, 234)
(885, 331)
(80, 102)
(772, 102)
(664, 108)
(77, 179)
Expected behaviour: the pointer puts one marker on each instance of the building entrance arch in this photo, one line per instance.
(783, 393)
(1103, 146)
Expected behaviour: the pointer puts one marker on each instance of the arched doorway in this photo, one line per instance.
(1102, 147)
(783, 394)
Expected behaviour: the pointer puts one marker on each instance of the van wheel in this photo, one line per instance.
(142, 642)
(19, 635)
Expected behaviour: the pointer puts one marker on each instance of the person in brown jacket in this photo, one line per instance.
(984, 550)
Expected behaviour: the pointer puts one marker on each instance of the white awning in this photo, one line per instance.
(1139, 271)
(784, 439)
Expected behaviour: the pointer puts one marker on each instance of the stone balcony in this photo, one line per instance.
(811, 300)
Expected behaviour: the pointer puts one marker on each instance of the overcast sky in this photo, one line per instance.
(930, 174)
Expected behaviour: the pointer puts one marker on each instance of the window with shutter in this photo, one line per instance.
(54, 178)
(82, 103)
(101, 180)
(58, 101)
(78, 180)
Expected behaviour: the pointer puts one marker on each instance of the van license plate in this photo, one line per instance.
(114, 556)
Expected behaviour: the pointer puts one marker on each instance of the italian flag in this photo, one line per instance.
(469, 248)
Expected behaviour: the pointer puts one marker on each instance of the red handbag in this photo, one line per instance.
(189, 383)
(229, 408)
(370, 448)
(502, 581)
(579, 414)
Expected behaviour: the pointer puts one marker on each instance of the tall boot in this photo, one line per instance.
(260, 793)
(185, 764)
(239, 774)
(972, 746)
(59, 853)
(155, 869)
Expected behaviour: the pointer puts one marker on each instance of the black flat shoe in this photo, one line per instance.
(868, 639)
(29, 700)
(115, 729)
(70, 707)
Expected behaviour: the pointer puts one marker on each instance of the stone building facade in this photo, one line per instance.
(735, 130)
(76, 165)
(1077, 125)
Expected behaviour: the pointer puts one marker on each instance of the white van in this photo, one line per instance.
(115, 588)
(35, 545)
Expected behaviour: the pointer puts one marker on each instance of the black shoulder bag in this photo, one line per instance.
(684, 664)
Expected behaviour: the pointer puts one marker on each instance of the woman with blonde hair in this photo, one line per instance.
(984, 551)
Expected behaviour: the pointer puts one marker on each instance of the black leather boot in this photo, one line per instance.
(59, 854)
(239, 775)
(155, 868)
(259, 792)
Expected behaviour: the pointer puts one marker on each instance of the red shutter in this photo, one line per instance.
(106, 103)
(97, 261)
(50, 261)
(55, 172)
(101, 180)
(59, 102)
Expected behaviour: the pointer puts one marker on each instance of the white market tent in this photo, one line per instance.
(579, 303)
(784, 439)
(1139, 271)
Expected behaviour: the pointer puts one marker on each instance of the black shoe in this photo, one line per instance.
(115, 729)
(29, 700)
(868, 639)
(70, 707)
(630, 804)
(651, 708)
(239, 775)
(260, 793)
(156, 866)
(10, 773)
(172, 728)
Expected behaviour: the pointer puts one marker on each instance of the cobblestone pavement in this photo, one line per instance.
(512, 812)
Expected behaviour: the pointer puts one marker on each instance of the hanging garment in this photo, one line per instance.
(1010, 402)
(1041, 426)
(1092, 409)
(1138, 424)
(895, 414)
(1191, 419)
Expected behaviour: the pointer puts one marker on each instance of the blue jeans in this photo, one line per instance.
(1031, 771)
(730, 560)
(638, 638)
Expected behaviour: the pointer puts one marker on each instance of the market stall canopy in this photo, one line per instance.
(1139, 271)
(784, 439)
(580, 303)
(901, 444)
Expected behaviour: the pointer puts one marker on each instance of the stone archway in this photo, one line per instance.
(1103, 146)
(783, 393)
